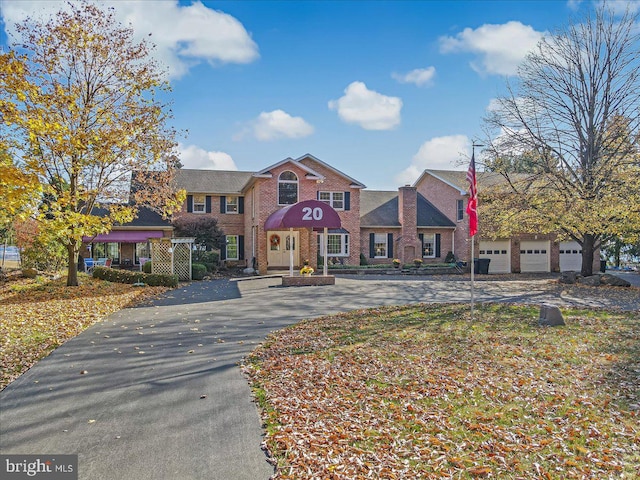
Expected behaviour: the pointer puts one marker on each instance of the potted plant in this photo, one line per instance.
(306, 271)
(396, 262)
(417, 262)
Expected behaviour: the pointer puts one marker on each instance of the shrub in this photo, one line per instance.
(363, 260)
(146, 268)
(200, 256)
(450, 258)
(198, 271)
(125, 276)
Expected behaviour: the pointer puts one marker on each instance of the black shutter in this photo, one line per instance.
(318, 195)
(347, 200)
(421, 237)
(189, 203)
(389, 245)
(223, 249)
(240, 204)
(240, 247)
(223, 204)
(372, 245)
(208, 203)
(437, 245)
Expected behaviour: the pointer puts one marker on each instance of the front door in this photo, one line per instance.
(279, 246)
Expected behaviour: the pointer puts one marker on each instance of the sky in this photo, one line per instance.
(380, 90)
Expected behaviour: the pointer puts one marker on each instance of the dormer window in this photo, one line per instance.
(287, 188)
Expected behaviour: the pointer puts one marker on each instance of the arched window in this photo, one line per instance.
(287, 188)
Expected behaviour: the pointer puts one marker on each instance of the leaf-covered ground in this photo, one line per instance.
(423, 392)
(40, 315)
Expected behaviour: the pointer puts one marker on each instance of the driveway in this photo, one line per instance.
(155, 392)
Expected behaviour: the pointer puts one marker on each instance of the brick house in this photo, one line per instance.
(426, 220)
(526, 252)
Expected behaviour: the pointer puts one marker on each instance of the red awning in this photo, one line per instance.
(307, 214)
(125, 236)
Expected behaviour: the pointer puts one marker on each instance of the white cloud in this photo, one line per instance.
(367, 108)
(619, 7)
(501, 48)
(574, 4)
(192, 156)
(275, 125)
(439, 153)
(184, 35)
(419, 76)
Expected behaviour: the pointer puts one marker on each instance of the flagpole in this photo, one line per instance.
(472, 211)
(473, 267)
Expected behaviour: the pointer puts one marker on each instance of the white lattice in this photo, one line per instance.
(161, 257)
(182, 260)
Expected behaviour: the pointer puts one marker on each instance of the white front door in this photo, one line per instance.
(280, 244)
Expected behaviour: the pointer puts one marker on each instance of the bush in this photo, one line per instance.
(43, 255)
(450, 258)
(146, 268)
(363, 260)
(125, 276)
(198, 271)
(206, 258)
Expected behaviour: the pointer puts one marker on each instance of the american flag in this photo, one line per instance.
(472, 206)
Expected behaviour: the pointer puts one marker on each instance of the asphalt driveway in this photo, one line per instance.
(155, 392)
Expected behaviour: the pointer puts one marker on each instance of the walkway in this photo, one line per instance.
(154, 392)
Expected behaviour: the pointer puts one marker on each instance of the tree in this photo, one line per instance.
(575, 106)
(82, 104)
(204, 230)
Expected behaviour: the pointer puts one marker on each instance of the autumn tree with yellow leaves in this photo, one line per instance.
(81, 110)
(572, 120)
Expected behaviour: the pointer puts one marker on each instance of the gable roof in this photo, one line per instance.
(212, 181)
(380, 209)
(354, 183)
(312, 174)
(458, 179)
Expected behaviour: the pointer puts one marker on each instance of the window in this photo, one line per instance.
(287, 188)
(338, 245)
(380, 245)
(460, 209)
(106, 250)
(199, 204)
(142, 252)
(335, 199)
(429, 245)
(231, 205)
(232, 247)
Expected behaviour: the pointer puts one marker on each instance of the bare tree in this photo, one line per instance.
(574, 111)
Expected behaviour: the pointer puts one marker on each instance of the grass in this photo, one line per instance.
(39, 315)
(423, 392)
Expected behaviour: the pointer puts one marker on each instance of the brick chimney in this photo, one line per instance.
(409, 245)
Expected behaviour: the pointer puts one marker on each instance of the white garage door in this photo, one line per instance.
(570, 256)
(534, 256)
(499, 252)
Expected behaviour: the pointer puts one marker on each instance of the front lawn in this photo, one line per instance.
(423, 392)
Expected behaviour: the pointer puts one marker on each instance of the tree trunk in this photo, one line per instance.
(72, 274)
(588, 248)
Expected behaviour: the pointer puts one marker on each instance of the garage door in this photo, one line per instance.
(499, 252)
(570, 256)
(534, 256)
